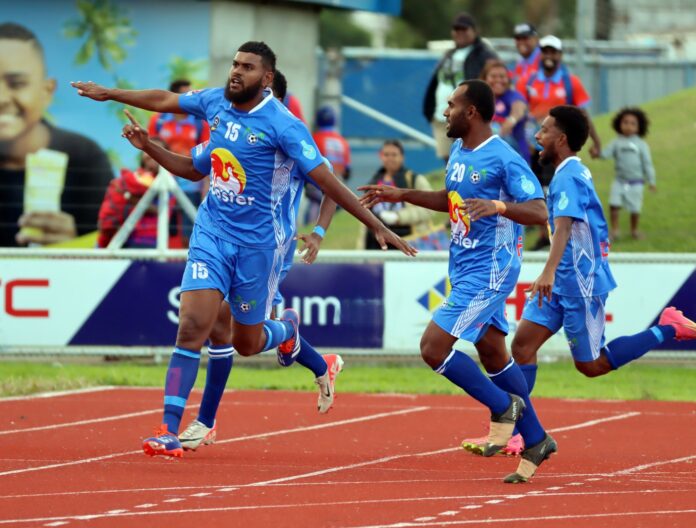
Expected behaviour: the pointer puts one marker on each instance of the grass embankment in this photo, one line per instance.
(668, 219)
(558, 380)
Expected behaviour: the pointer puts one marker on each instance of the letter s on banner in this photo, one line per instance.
(173, 315)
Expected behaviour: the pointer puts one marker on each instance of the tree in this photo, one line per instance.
(336, 30)
(106, 31)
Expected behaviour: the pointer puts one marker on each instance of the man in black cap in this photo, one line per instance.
(527, 44)
(464, 61)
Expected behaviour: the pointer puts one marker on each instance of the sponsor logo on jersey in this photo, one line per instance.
(308, 151)
(229, 178)
(216, 123)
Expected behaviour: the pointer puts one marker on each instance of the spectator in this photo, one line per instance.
(552, 85)
(510, 108)
(464, 61)
(527, 44)
(292, 103)
(122, 195)
(402, 218)
(182, 132)
(51, 180)
(633, 167)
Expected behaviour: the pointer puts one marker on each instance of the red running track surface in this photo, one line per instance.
(74, 460)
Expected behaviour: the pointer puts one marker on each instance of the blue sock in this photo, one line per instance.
(463, 371)
(530, 373)
(181, 375)
(625, 349)
(511, 380)
(276, 332)
(310, 358)
(220, 360)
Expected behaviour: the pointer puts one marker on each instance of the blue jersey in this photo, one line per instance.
(252, 156)
(584, 269)
(204, 158)
(487, 253)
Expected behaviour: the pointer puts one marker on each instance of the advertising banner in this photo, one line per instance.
(54, 303)
(413, 291)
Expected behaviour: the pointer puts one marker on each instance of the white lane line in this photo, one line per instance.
(84, 422)
(173, 500)
(530, 519)
(314, 505)
(201, 494)
(56, 394)
(651, 465)
(423, 519)
(113, 512)
(449, 513)
(594, 422)
(472, 507)
(327, 425)
(146, 505)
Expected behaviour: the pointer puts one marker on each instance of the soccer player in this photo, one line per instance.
(240, 238)
(489, 191)
(572, 289)
(202, 430)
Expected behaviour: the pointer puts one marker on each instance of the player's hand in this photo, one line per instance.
(479, 208)
(310, 250)
(384, 236)
(92, 90)
(653, 188)
(375, 194)
(595, 151)
(542, 287)
(48, 227)
(134, 132)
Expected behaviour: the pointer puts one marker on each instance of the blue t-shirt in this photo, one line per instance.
(252, 157)
(517, 139)
(584, 269)
(487, 252)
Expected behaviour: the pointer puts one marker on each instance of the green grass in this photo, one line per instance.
(559, 380)
(669, 216)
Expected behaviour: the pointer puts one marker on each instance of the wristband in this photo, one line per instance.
(319, 231)
(500, 207)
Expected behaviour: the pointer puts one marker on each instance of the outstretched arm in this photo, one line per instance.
(155, 100)
(533, 212)
(174, 163)
(434, 200)
(343, 196)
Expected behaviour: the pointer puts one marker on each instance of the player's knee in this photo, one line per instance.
(221, 334)
(523, 353)
(430, 354)
(192, 329)
(591, 369)
(246, 344)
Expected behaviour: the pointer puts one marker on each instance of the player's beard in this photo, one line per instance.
(457, 130)
(244, 96)
(545, 158)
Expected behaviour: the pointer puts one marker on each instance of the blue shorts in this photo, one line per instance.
(287, 264)
(247, 277)
(582, 319)
(469, 311)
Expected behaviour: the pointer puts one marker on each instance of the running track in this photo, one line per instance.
(74, 460)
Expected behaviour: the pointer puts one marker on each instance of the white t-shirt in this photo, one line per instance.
(450, 74)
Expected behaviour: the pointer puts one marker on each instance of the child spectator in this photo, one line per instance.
(633, 167)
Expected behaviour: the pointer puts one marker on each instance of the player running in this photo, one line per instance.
(573, 287)
(240, 238)
(489, 192)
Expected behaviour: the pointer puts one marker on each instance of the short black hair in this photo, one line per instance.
(643, 121)
(12, 31)
(280, 85)
(573, 122)
(268, 58)
(394, 143)
(178, 84)
(479, 94)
